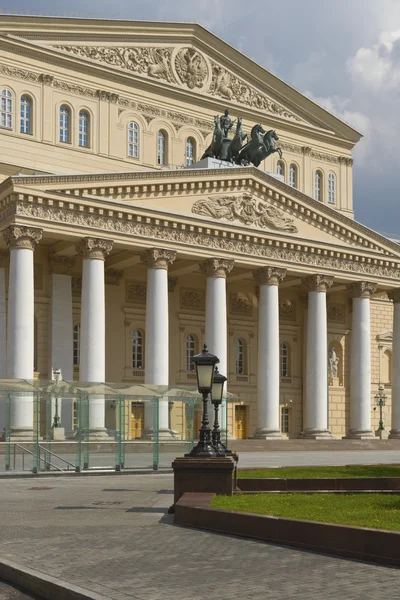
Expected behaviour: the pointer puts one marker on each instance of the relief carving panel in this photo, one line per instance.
(136, 292)
(192, 298)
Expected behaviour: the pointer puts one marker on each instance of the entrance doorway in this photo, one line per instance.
(137, 419)
(241, 422)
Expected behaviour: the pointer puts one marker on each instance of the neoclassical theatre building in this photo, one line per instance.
(122, 251)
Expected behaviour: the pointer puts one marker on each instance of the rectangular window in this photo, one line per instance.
(284, 420)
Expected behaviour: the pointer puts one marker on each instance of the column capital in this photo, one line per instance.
(394, 295)
(317, 283)
(217, 267)
(95, 248)
(21, 236)
(269, 275)
(158, 258)
(361, 289)
(60, 264)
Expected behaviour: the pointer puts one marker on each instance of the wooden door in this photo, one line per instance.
(241, 422)
(137, 420)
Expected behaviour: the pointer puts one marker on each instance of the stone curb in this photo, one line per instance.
(360, 543)
(11, 475)
(45, 586)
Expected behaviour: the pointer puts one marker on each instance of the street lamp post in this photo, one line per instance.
(380, 400)
(204, 363)
(216, 399)
(57, 419)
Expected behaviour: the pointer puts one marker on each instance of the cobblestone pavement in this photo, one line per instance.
(112, 535)
(7, 592)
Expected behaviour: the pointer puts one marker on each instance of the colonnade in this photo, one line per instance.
(21, 241)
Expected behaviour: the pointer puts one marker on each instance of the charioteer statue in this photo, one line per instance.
(235, 150)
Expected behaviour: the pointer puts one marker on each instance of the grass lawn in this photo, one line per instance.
(316, 472)
(377, 511)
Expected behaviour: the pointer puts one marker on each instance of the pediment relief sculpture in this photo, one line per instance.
(247, 209)
(183, 66)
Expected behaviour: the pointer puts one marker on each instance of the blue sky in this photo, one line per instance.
(344, 54)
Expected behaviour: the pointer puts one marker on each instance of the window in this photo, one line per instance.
(6, 109)
(293, 176)
(26, 115)
(190, 352)
(133, 139)
(240, 357)
(318, 185)
(331, 188)
(280, 168)
(387, 367)
(65, 119)
(284, 360)
(189, 156)
(161, 148)
(137, 349)
(77, 344)
(284, 420)
(84, 129)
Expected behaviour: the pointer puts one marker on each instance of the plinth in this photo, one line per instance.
(203, 475)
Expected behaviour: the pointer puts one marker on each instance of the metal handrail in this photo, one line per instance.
(33, 454)
(57, 456)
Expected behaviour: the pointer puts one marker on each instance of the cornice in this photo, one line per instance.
(251, 179)
(127, 226)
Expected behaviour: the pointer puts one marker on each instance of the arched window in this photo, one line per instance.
(133, 139)
(284, 359)
(26, 115)
(161, 148)
(293, 176)
(318, 185)
(137, 349)
(189, 154)
(77, 344)
(6, 108)
(84, 131)
(240, 357)
(331, 188)
(280, 168)
(65, 124)
(190, 352)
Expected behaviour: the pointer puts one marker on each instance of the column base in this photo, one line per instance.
(394, 434)
(268, 434)
(163, 434)
(99, 433)
(359, 434)
(317, 434)
(22, 434)
(58, 434)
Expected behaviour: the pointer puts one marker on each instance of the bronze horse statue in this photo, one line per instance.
(237, 142)
(259, 147)
(215, 147)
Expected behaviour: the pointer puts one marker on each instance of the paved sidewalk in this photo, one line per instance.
(8, 592)
(112, 535)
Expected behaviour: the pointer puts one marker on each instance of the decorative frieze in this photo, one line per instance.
(192, 299)
(113, 276)
(19, 236)
(106, 96)
(336, 313)
(191, 68)
(287, 311)
(76, 286)
(317, 283)
(269, 275)
(24, 74)
(240, 305)
(60, 264)
(361, 289)
(247, 209)
(136, 292)
(158, 258)
(217, 267)
(95, 248)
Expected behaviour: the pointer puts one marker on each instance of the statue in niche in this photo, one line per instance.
(333, 362)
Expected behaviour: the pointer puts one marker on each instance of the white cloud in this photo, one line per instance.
(377, 67)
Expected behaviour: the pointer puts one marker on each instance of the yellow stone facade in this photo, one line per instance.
(173, 79)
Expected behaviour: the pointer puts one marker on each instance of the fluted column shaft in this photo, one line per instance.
(157, 333)
(395, 429)
(216, 270)
(268, 372)
(20, 339)
(92, 340)
(360, 361)
(316, 400)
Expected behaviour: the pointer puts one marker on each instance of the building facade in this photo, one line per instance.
(121, 255)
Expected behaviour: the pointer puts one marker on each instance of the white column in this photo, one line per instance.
(216, 270)
(92, 341)
(360, 361)
(4, 259)
(395, 429)
(157, 333)
(315, 403)
(61, 329)
(268, 372)
(20, 338)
